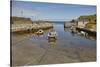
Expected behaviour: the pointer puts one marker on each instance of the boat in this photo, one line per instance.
(40, 31)
(52, 35)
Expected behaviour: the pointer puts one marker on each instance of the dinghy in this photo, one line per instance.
(40, 31)
(52, 35)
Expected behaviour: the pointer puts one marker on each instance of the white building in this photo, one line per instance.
(82, 23)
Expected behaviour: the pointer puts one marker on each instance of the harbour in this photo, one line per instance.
(30, 48)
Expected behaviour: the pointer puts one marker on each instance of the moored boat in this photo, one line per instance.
(40, 31)
(52, 35)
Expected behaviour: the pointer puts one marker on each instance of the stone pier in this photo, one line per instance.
(26, 24)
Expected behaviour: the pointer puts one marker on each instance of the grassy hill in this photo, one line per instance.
(91, 19)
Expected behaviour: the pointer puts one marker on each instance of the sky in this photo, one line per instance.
(50, 11)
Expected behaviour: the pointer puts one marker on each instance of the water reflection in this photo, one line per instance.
(44, 36)
(51, 42)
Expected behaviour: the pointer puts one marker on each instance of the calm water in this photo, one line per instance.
(33, 49)
(64, 39)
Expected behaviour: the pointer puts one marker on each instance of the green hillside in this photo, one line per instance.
(91, 19)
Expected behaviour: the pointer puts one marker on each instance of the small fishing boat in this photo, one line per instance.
(52, 35)
(40, 31)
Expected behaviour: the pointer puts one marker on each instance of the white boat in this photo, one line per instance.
(52, 35)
